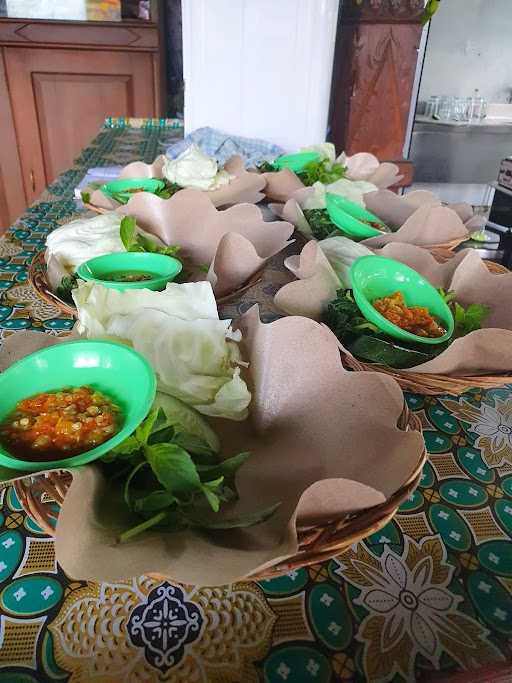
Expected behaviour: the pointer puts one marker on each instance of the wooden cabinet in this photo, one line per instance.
(12, 192)
(373, 78)
(59, 99)
(58, 82)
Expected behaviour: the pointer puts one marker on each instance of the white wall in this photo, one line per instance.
(470, 46)
(260, 68)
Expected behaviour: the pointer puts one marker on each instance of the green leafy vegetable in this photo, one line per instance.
(210, 490)
(344, 317)
(266, 167)
(320, 223)
(86, 197)
(469, 319)
(155, 502)
(173, 467)
(67, 284)
(377, 350)
(168, 191)
(240, 521)
(133, 241)
(324, 171)
(165, 192)
(366, 341)
(172, 475)
(186, 421)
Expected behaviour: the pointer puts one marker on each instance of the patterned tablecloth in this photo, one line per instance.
(430, 592)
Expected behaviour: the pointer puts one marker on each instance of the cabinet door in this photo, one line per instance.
(12, 193)
(60, 98)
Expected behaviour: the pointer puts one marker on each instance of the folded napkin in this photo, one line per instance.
(222, 146)
(100, 174)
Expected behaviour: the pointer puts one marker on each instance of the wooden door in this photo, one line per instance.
(60, 98)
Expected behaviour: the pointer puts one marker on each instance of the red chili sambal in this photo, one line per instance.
(415, 319)
(60, 424)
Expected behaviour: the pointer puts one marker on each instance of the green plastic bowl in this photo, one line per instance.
(120, 187)
(296, 162)
(163, 268)
(376, 276)
(347, 216)
(116, 370)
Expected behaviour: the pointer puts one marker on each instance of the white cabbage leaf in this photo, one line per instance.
(77, 241)
(325, 149)
(194, 354)
(341, 253)
(195, 169)
(353, 190)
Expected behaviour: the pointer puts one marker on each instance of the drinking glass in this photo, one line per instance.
(432, 108)
(445, 108)
(479, 108)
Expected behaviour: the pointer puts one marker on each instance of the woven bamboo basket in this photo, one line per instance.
(446, 247)
(428, 384)
(316, 543)
(38, 279)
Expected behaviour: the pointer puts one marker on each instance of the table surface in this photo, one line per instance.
(429, 593)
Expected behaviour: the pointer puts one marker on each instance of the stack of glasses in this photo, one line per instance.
(449, 108)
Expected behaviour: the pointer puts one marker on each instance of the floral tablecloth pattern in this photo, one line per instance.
(430, 592)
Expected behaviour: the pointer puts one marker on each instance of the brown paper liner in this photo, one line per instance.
(304, 403)
(482, 358)
(421, 221)
(235, 242)
(246, 187)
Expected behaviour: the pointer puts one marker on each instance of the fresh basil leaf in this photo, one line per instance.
(127, 232)
(173, 467)
(169, 251)
(163, 435)
(154, 502)
(126, 448)
(236, 522)
(168, 191)
(144, 430)
(119, 197)
(132, 241)
(211, 490)
(323, 171)
(225, 468)
(469, 319)
(213, 484)
(193, 444)
(213, 499)
(185, 420)
(448, 296)
(147, 244)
